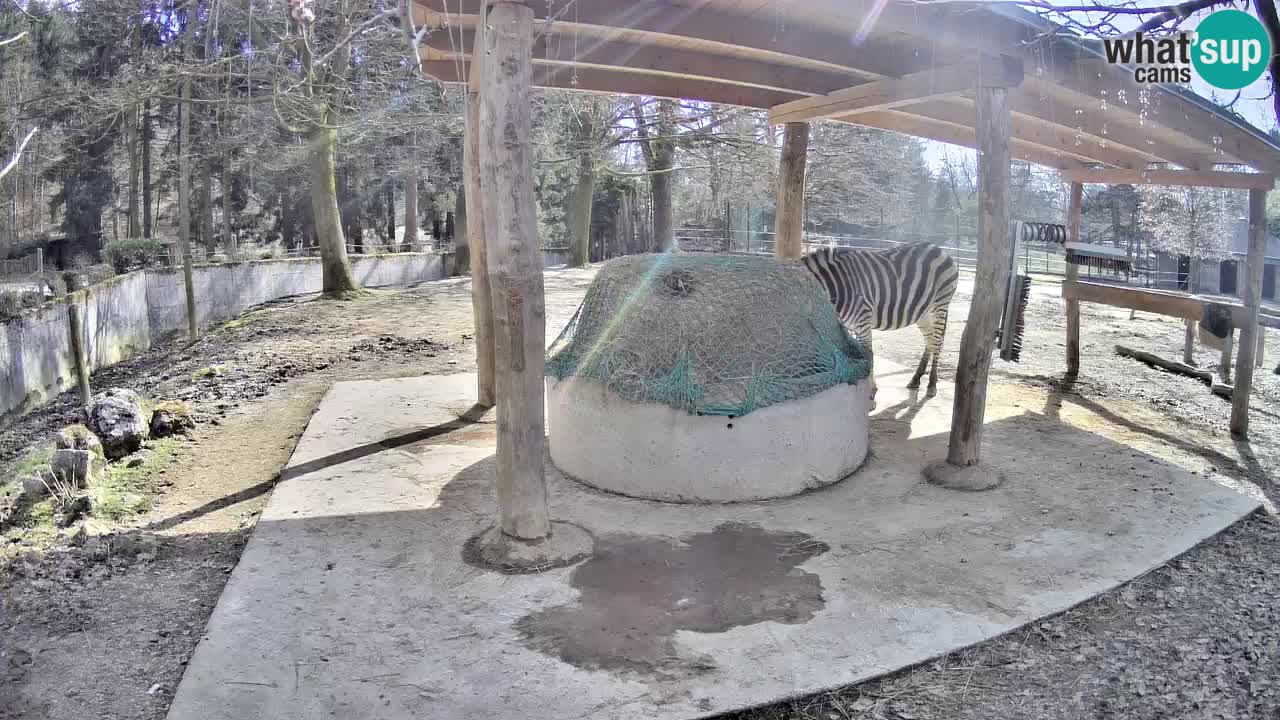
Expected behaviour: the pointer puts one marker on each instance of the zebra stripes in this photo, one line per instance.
(890, 289)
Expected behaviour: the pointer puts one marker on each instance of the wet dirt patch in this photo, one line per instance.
(637, 591)
(395, 345)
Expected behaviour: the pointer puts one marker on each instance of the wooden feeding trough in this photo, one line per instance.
(992, 77)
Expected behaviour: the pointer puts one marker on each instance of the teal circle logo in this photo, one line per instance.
(1231, 49)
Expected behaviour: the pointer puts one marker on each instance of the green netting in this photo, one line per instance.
(709, 334)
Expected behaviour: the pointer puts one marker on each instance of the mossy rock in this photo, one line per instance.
(171, 417)
(78, 437)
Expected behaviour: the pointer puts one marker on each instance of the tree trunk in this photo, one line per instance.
(391, 212)
(206, 209)
(336, 268)
(659, 156)
(663, 231)
(461, 245)
(626, 236)
(349, 202)
(184, 205)
(146, 169)
(411, 194)
(582, 198)
(135, 224)
(288, 226)
(228, 237)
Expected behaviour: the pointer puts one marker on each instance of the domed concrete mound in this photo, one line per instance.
(707, 378)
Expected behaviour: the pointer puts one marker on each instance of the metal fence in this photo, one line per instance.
(1037, 258)
(171, 255)
(26, 267)
(762, 242)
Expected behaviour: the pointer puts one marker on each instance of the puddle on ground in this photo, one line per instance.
(637, 591)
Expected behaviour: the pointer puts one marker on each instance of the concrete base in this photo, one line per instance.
(494, 549)
(656, 452)
(973, 477)
(353, 599)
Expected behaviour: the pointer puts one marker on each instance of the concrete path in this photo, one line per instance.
(353, 599)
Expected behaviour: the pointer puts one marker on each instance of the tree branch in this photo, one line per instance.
(17, 154)
(13, 39)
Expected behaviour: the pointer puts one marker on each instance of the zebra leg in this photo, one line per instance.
(926, 327)
(934, 344)
(865, 337)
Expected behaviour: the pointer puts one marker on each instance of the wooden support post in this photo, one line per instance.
(1189, 343)
(976, 345)
(1252, 300)
(1224, 365)
(789, 226)
(1073, 274)
(75, 333)
(481, 297)
(515, 269)
(1262, 347)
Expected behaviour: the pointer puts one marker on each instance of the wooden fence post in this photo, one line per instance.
(481, 296)
(75, 333)
(1252, 300)
(1073, 273)
(1189, 344)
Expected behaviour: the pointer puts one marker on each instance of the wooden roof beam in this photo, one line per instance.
(959, 27)
(1097, 127)
(1037, 131)
(636, 58)
(1181, 178)
(706, 27)
(567, 77)
(963, 135)
(1092, 81)
(896, 92)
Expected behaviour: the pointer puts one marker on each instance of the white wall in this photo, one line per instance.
(123, 316)
(35, 357)
(225, 291)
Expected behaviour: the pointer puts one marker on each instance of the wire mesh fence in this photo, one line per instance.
(1036, 258)
(22, 268)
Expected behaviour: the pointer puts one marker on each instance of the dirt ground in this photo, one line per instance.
(102, 628)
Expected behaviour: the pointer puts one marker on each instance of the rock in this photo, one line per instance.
(79, 537)
(172, 417)
(35, 485)
(95, 549)
(119, 420)
(135, 544)
(77, 468)
(77, 437)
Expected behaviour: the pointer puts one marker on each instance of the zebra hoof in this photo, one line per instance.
(914, 385)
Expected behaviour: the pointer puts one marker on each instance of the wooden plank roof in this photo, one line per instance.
(1071, 110)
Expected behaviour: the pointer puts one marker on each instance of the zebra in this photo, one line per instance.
(888, 290)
